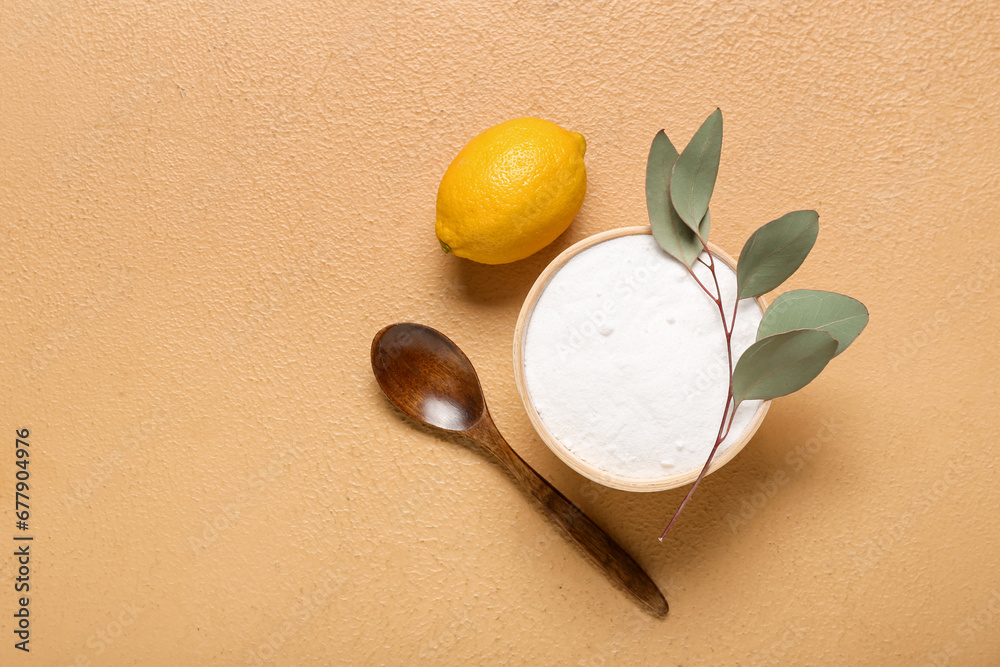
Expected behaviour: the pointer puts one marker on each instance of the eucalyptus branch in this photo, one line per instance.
(723, 426)
(800, 332)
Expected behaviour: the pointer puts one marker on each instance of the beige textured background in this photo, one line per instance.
(208, 208)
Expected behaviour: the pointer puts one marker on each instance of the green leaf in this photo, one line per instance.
(669, 230)
(775, 251)
(782, 363)
(694, 174)
(705, 226)
(841, 316)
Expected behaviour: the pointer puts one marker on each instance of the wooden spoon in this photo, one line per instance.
(429, 378)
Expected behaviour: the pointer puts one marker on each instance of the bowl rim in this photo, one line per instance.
(587, 470)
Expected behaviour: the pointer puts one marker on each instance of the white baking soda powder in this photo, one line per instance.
(625, 359)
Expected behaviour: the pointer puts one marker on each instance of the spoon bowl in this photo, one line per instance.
(407, 355)
(423, 373)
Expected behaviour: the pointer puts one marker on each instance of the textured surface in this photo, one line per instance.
(208, 209)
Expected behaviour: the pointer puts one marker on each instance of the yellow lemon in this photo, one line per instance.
(511, 191)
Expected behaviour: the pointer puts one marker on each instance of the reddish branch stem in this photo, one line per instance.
(723, 427)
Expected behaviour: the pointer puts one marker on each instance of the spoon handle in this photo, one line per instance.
(597, 544)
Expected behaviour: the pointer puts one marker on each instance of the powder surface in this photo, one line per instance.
(625, 359)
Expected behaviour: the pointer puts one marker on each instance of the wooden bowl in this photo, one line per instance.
(568, 457)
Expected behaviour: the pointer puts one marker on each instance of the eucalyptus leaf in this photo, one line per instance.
(705, 226)
(781, 364)
(841, 316)
(695, 172)
(676, 238)
(775, 251)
